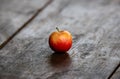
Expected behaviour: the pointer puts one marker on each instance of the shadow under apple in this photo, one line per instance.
(60, 60)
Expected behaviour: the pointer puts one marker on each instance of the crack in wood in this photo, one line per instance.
(25, 24)
(113, 72)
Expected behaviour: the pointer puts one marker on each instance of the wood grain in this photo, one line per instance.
(14, 13)
(96, 43)
(116, 75)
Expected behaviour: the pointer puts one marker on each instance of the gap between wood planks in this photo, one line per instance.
(30, 20)
(25, 24)
(112, 73)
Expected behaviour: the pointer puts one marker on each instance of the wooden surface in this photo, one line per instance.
(116, 75)
(95, 54)
(14, 13)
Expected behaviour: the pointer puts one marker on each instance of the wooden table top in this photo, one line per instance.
(25, 26)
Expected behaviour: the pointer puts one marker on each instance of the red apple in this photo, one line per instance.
(60, 41)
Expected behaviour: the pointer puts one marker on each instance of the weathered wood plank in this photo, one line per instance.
(14, 13)
(97, 61)
(95, 52)
(116, 75)
(115, 72)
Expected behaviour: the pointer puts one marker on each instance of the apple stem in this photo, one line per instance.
(57, 29)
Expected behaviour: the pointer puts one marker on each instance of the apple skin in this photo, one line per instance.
(60, 41)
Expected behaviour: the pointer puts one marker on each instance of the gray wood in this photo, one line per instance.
(14, 13)
(116, 75)
(97, 61)
(96, 43)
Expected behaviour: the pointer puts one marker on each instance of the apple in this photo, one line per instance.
(60, 41)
